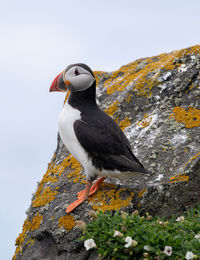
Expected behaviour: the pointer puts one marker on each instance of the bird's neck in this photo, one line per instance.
(81, 99)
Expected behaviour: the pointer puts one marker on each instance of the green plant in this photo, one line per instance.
(126, 236)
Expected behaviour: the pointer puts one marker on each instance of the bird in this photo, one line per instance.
(91, 135)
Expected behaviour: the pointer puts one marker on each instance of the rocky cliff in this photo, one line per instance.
(156, 101)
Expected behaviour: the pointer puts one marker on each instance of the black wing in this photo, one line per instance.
(105, 143)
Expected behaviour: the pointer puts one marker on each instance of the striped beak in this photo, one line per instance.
(58, 84)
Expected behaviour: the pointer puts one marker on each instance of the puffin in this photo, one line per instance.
(91, 135)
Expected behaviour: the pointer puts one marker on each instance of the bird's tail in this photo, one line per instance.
(124, 164)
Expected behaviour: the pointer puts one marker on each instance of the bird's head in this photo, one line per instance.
(76, 77)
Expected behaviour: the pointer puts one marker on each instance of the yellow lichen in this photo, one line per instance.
(67, 222)
(27, 226)
(108, 198)
(36, 221)
(179, 177)
(124, 123)
(191, 87)
(141, 193)
(164, 148)
(98, 75)
(128, 98)
(111, 111)
(191, 117)
(112, 108)
(30, 242)
(75, 175)
(145, 77)
(145, 121)
(46, 196)
(191, 159)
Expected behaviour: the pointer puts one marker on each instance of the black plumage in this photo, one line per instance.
(100, 136)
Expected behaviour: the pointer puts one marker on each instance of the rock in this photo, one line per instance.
(162, 122)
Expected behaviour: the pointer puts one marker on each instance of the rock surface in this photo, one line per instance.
(156, 101)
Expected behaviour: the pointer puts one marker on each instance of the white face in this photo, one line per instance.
(77, 78)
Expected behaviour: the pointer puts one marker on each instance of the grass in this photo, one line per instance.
(148, 237)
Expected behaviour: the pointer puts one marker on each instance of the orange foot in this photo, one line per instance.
(73, 205)
(84, 194)
(93, 189)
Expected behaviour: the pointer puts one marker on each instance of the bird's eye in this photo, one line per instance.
(77, 72)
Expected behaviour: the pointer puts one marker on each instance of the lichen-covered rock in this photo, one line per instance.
(156, 101)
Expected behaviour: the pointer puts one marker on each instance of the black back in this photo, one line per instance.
(100, 136)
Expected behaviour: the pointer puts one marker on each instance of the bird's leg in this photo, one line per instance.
(80, 200)
(73, 205)
(96, 185)
(87, 190)
(84, 194)
(93, 189)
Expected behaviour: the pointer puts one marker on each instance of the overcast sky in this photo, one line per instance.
(38, 39)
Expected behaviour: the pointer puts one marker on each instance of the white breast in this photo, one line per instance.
(66, 121)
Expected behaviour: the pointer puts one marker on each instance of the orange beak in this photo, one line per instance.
(59, 84)
(55, 84)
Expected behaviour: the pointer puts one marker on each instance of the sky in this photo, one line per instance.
(38, 39)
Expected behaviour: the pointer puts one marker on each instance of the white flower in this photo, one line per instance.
(168, 250)
(147, 248)
(197, 236)
(89, 243)
(117, 234)
(128, 241)
(181, 218)
(189, 255)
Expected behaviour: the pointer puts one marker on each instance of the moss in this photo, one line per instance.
(67, 222)
(108, 198)
(190, 117)
(27, 226)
